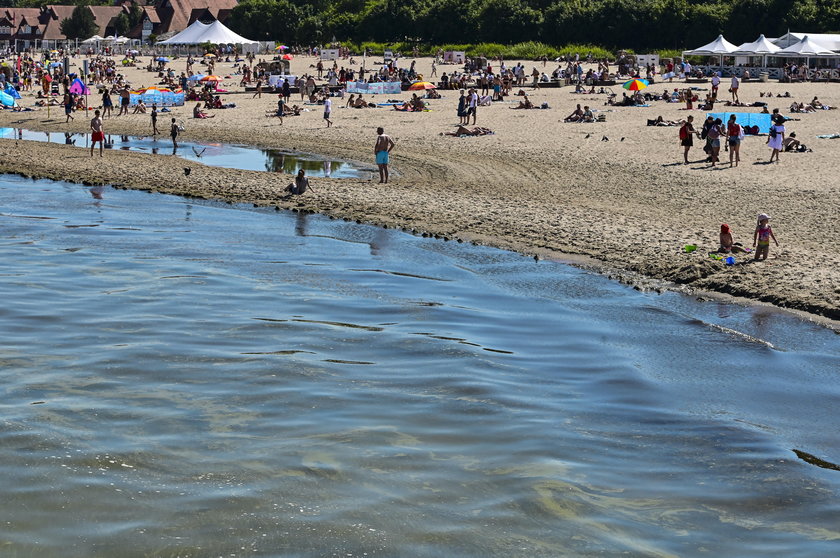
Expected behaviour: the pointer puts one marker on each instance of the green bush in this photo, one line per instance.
(530, 50)
(372, 47)
(669, 53)
(490, 50)
(583, 50)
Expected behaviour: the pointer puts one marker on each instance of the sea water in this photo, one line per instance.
(182, 378)
(213, 154)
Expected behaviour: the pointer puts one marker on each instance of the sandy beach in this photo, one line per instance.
(626, 206)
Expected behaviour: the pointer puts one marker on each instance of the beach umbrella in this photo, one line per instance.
(281, 47)
(162, 59)
(197, 77)
(211, 78)
(420, 85)
(287, 57)
(635, 84)
(209, 55)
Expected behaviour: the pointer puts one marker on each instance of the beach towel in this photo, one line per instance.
(745, 118)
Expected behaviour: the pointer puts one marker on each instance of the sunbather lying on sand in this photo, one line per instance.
(463, 131)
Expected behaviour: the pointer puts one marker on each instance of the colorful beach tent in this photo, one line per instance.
(11, 91)
(78, 87)
(7, 100)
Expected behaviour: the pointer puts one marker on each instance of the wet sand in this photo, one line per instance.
(538, 185)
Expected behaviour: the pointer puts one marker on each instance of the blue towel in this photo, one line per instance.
(746, 119)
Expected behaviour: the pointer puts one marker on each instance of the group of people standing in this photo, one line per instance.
(713, 132)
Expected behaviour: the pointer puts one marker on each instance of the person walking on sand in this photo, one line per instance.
(761, 237)
(734, 133)
(687, 133)
(472, 102)
(97, 133)
(382, 150)
(776, 137)
(107, 103)
(155, 130)
(327, 110)
(125, 99)
(714, 134)
(68, 106)
(733, 88)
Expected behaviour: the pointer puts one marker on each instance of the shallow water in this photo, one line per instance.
(208, 153)
(197, 379)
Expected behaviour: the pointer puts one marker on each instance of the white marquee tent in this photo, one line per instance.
(830, 41)
(758, 47)
(188, 35)
(215, 33)
(806, 48)
(718, 47)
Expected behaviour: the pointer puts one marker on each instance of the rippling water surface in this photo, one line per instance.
(208, 153)
(195, 379)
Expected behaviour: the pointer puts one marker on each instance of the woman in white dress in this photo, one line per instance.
(776, 138)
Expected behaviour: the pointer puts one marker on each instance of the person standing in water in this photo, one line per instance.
(382, 150)
(173, 133)
(97, 133)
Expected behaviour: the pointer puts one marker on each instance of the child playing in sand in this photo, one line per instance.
(727, 242)
(762, 236)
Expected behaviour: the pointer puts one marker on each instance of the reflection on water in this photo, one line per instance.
(195, 379)
(212, 154)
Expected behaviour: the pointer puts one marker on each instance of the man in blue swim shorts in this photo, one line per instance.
(382, 149)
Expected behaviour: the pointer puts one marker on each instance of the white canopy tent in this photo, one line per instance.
(188, 35)
(806, 48)
(94, 39)
(718, 47)
(216, 33)
(830, 41)
(759, 47)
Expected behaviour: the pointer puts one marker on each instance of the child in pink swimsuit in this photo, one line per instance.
(761, 237)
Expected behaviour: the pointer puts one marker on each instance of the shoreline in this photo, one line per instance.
(538, 187)
(624, 275)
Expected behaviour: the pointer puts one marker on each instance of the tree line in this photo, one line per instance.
(633, 24)
(639, 25)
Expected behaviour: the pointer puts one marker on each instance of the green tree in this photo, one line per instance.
(121, 24)
(265, 20)
(80, 25)
(507, 21)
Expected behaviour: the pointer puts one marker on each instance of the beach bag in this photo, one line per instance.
(740, 132)
(772, 132)
(683, 132)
